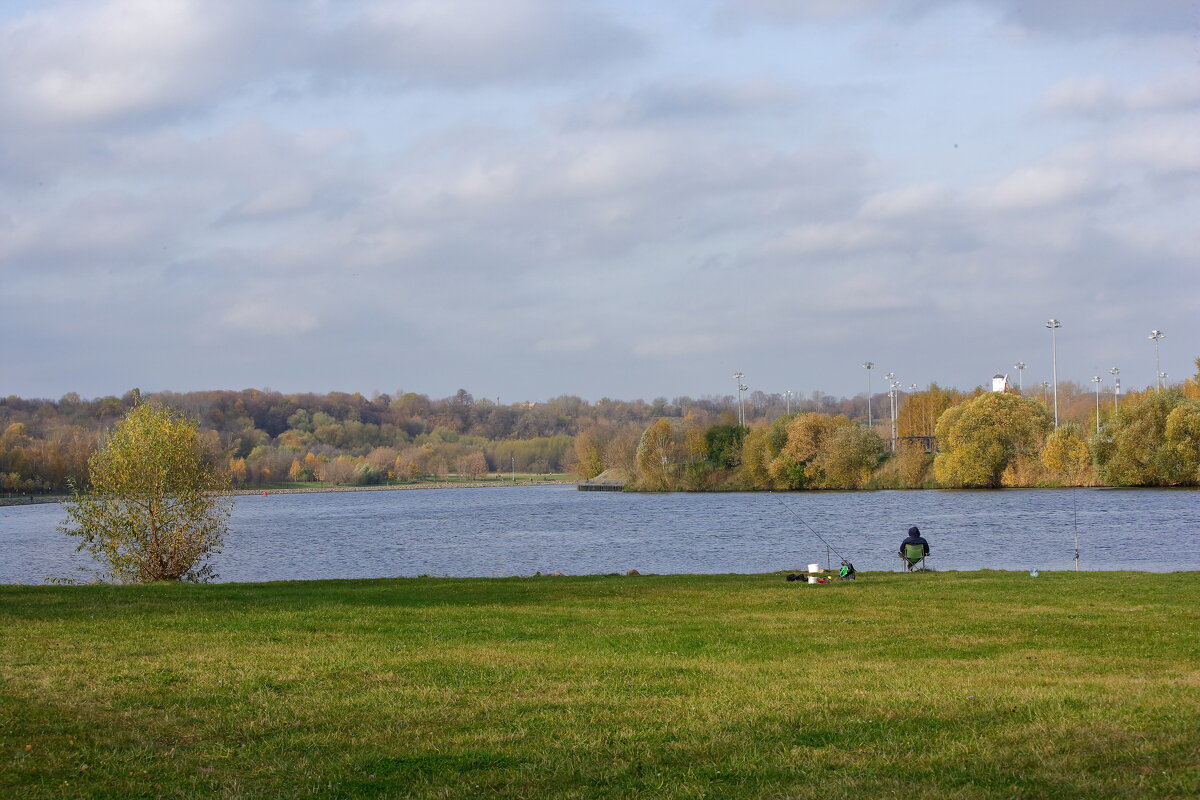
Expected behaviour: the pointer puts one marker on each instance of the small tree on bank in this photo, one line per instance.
(158, 506)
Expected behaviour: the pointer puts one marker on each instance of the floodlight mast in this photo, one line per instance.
(1096, 380)
(1054, 325)
(741, 405)
(1158, 336)
(1116, 387)
(1020, 368)
(893, 384)
(868, 365)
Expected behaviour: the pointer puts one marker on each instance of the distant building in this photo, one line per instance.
(999, 382)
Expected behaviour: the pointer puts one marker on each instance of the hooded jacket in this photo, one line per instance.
(914, 537)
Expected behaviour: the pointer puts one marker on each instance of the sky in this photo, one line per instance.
(602, 198)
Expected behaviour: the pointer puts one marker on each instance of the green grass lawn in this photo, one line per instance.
(960, 685)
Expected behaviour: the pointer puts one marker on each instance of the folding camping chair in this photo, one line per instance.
(914, 557)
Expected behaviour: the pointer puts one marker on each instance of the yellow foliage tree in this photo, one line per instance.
(589, 460)
(1068, 457)
(158, 505)
(978, 439)
(657, 457)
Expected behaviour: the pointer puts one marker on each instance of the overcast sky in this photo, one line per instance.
(529, 198)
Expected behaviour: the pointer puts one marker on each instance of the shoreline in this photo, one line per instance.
(400, 487)
(31, 500)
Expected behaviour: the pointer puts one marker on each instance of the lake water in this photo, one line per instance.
(522, 530)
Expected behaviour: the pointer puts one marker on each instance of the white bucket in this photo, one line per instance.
(814, 567)
(812, 579)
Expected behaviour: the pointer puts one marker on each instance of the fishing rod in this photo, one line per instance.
(1075, 510)
(810, 527)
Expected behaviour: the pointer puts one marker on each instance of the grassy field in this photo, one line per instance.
(960, 685)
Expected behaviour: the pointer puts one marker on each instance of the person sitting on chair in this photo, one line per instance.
(914, 538)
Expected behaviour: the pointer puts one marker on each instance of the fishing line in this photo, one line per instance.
(810, 527)
(1075, 510)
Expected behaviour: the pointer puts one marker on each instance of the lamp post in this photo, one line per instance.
(1096, 380)
(1054, 325)
(1020, 368)
(741, 405)
(1116, 387)
(893, 384)
(788, 396)
(1157, 336)
(867, 365)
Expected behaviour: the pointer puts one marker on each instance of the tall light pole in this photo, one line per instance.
(737, 376)
(1157, 336)
(1020, 368)
(1116, 387)
(893, 384)
(788, 396)
(867, 365)
(1096, 380)
(1054, 325)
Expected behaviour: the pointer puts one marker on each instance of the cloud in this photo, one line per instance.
(1091, 96)
(906, 202)
(832, 238)
(567, 344)
(77, 62)
(267, 318)
(1100, 17)
(1099, 96)
(475, 42)
(684, 104)
(1056, 17)
(1038, 187)
(670, 346)
(1163, 146)
(350, 190)
(143, 61)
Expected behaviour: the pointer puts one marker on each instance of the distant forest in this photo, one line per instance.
(267, 438)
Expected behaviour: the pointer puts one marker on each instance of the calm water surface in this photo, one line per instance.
(522, 530)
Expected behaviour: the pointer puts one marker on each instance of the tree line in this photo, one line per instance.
(265, 438)
(944, 439)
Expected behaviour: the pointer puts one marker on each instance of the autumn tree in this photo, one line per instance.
(1068, 456)
(657, 457)
(1132, 449)
(912, 465)
(473, 465)
(620, 452)
(157, 507)
(980, 438)
(589, 458)
(920, 411)
(723, 444)
(848, 457)
(756, 456)
(799, 463)
(1183, 442)
(1191, 387)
